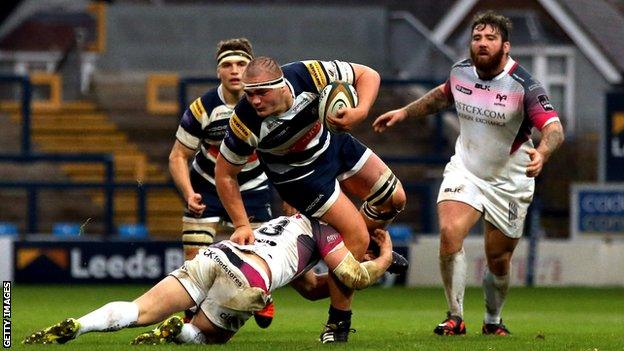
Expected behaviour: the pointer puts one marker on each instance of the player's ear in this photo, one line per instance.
(506, 47)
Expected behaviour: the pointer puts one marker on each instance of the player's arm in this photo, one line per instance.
(230, 196)
(552, 138)
(178, 167)
(359, 275)
(435, 100)
(312, 286)
(366, 83)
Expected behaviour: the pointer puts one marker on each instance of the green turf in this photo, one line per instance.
(385, 319)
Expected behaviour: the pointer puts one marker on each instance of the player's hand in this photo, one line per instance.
(346, 118)
(382, 238)
(534, 168)
(243, 235)
(195, 205)
(388, 119)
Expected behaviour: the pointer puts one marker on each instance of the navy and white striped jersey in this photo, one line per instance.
(203, 126)
(287, 143)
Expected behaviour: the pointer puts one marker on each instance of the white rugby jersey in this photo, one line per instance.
(496, 117)
(289, 142)
(291, 246)
(203, 124)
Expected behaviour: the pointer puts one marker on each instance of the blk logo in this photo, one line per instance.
(482, 86)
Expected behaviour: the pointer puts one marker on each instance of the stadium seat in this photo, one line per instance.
(132, 231)
(66, 229)
(401, 234)
(8, 229)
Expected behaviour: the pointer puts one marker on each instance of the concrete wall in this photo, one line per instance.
(589, 103)
(183, 37)
(560, 263)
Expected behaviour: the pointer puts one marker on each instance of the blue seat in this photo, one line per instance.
(400, 233)
(132, 231)
(66, 229)
(8, 229)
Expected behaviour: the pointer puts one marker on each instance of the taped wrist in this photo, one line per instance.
(356, 275)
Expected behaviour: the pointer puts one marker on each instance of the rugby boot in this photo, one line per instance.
(452, 325)
(495, 329)
(61, 333)
(336, 332)
(264, 317)
(164, 333)
(399, 263)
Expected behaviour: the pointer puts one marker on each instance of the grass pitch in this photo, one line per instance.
(385, 319)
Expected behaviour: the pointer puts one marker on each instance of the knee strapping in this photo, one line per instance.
(374, 214)
(383, 189)
(197, 234)
(382, 192)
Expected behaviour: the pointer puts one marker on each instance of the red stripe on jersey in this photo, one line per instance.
(513, 68)
(213, 150)
(305, 139)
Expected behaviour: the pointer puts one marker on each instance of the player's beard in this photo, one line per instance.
(487, 64)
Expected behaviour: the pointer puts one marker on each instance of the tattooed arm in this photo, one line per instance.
(432, 102)
(552, 137)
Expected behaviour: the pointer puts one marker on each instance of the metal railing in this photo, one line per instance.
(26, 89)
(108, 185)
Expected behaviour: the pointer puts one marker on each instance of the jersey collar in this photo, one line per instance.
(508, 66)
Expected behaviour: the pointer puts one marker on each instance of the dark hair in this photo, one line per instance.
(234, 44)
(500, 23)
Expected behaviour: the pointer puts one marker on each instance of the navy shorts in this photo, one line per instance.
(314, 194)
(257, 202)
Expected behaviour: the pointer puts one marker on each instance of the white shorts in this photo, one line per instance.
(215, 281)
(504, 204)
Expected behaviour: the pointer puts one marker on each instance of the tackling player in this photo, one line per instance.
(309, 166)
(227, 282)
(492, 172)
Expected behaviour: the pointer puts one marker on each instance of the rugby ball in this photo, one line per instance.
(336, 96)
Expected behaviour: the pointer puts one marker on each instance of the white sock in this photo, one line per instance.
(453, 270)
(190, 334)
(495, 291)
(110, 317)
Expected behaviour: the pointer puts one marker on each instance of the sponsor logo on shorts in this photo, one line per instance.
(225, 266)
(316, 201)
(462, 89)
(513, 211)
(457, 189)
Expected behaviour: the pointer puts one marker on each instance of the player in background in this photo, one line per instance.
(198, 137)
(227, 282)
(309, 166)
(492, 172)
